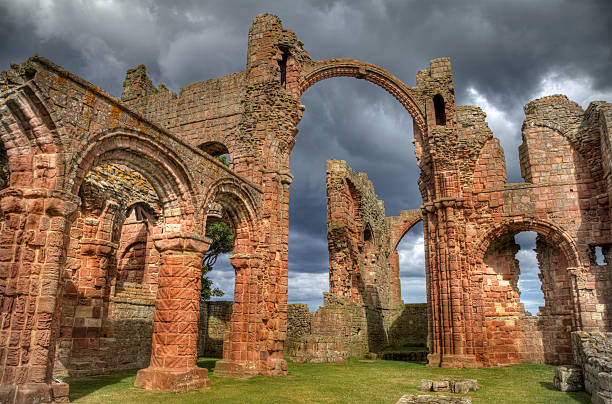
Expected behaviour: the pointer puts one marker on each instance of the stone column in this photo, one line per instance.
(448, 314)
(240, 353)
(173, 366)
(32, 252)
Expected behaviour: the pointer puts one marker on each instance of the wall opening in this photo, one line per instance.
(4, 168)
(411, 259)
(526, 282)
(599, 255)
(282, 64)
(217, 150)
(216, 309)
(367, 234)
(111, 274)
(362, 124)
(440, 109)
(529, 284)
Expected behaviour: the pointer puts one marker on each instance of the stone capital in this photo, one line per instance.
(181, 242)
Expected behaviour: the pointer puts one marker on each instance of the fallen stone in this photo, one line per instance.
(424, 399)
(568, 378)
(458, 386)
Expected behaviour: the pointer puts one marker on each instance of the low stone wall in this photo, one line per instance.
(338, 330)
(214, 323)
(593, 353)
(342, 329)
(410, 327)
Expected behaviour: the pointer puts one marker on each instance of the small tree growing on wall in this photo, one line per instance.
(222, 242)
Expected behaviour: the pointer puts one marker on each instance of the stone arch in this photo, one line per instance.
(27, 132)
(214, 148)
(544, 338)
(542, 227)
(399, 230)
(135, 245)
(160, 165)
(237, 206)
(377, 75)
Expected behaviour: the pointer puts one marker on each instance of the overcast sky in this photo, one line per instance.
(504, 54)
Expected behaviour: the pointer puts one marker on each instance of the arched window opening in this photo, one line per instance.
(526, 281)
(408, 264)
(439, 109)
(411, 260)
(135, 244)
(4, 170)
(529, 284)
(282, 64)
(367, 234)
(218, 280)
(217, 150)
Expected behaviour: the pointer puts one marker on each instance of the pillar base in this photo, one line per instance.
(56, 393)
(232, 368)
(245, 369)
(452, 361)
(172, 380)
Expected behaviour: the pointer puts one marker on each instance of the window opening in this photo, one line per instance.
(599, 256)
(283, 67)
(439, 109)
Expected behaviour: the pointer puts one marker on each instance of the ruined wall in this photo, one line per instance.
(213, 326)
(358, 239)
(56, 244)
(363, 311)
(107, 307)
(333, 333)
(593, 353)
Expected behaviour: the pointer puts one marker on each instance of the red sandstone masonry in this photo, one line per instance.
(56, 128)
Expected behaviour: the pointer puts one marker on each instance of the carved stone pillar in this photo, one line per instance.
(32, 252)
(173, 364)
(240, 353)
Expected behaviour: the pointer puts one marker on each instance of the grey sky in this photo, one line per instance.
(503, 53)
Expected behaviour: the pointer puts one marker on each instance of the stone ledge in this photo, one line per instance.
(458, 386)
(425, 399)
(172, 380)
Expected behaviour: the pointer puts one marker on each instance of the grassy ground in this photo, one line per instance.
(353, 382)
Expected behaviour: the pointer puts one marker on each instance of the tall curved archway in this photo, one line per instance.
(521, 338)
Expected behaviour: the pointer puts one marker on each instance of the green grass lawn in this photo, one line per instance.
(353, 382)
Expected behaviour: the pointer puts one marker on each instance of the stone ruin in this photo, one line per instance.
(105, 201)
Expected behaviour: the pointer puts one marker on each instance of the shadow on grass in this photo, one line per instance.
(81, 387)
(115, 381)
(579, 396)
(208, 363)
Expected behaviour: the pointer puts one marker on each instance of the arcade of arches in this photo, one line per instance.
(104, 204)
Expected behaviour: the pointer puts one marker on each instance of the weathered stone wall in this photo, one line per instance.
(56, 128)
(334, 332)
(593, 353)
(213, 326)
(341, 329)
(410, 327)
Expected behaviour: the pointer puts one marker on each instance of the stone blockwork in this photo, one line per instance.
(593, 354)
(213, 326)
(59, 242)
(363, 311)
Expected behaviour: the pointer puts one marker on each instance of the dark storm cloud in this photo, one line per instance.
(503, 55)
